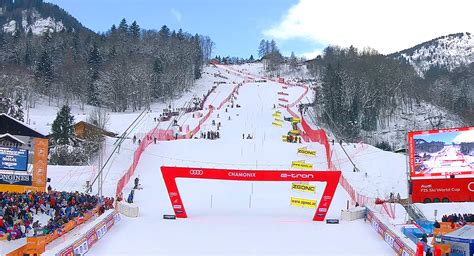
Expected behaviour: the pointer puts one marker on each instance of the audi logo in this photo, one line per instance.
(196, 172)
(470, 186)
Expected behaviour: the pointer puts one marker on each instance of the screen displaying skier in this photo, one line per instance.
(443, 152)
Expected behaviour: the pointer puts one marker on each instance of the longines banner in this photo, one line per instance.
(303, 187)
(306, 152)
(301, 202)
(13, 159)
(15, 179)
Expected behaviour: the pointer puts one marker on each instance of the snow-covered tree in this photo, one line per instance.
(62, 130)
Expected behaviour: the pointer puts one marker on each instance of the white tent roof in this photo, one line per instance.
(464, 233)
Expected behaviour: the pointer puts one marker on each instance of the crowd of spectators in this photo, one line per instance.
(18, 211)
(460, 219)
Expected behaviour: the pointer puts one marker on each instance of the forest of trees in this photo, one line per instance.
(125, 68)
(361, 89)
(364, 90)
(272, 58)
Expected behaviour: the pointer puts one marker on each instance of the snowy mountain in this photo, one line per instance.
(448, 52)
(36, 16)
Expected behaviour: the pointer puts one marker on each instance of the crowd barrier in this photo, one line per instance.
(81, 245)
(127, 209)
(37, 244)
(395, 241)
(353, 213)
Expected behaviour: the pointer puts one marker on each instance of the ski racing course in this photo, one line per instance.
(234, 217)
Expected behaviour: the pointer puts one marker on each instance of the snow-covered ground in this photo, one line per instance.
(232, 218)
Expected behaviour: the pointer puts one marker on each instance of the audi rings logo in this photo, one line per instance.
(196, 172)
(470, 186)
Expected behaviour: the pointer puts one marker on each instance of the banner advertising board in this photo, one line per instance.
(15, 179)
(301, 165)
(303, 187)
(306, 152)
(40, 163)
(170, 174)
(442, 190)
(442, 152)
(13, 159)
(301, 202)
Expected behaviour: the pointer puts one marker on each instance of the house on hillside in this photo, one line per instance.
(16, 133)
(10, 141)
(81, 128)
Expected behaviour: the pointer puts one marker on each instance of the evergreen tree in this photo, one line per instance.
(293, 61)
(164, 32)
(62, 130)
(251, 59)
(135, 30)
(123, 27)
(44, 72)
(94, 62)
(262, 49)
(19, 115)
(157, 90)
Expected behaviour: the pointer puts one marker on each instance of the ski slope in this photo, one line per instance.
(236, 218)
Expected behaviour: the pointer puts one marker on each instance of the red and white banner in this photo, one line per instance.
(171, 173)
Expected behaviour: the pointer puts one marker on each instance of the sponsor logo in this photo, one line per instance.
(323, 209)
(320, 215)
(301, 165)
(306, 152)
(196, 172)
(301, 202)
(327, 197)
(173, 194)
(179, 211)
(177, 206)
(303, 187)
(241, 174)
(15, 179)
(470, 186)
(296, 175)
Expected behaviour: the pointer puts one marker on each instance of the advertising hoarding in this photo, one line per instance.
(442, 190)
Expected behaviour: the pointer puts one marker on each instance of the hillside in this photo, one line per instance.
(447, 52)
(37, 16)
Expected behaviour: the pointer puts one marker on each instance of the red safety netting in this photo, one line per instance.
(163, 135)
(235, 90)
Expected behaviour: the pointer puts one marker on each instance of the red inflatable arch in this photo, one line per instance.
(171, 173)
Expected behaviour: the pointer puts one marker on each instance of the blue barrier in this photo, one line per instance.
(414, 234)
(428, 226)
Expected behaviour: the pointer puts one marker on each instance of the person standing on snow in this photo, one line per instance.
(136, 182)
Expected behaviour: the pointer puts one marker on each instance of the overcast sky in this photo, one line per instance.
(303, 26)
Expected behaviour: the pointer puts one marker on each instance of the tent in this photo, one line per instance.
(461, 241)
